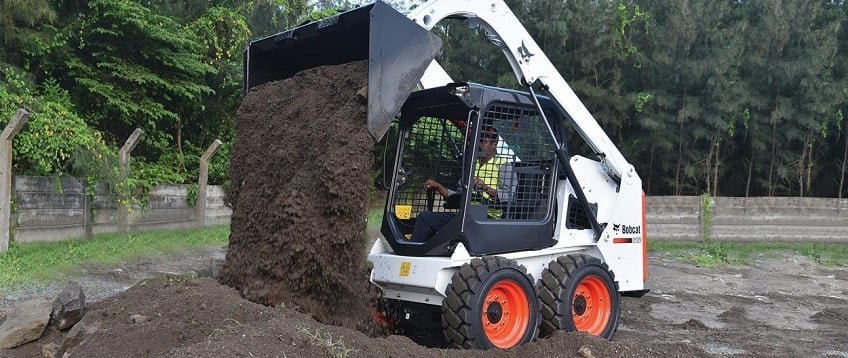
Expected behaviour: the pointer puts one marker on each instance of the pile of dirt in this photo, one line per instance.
(733, 315)
(300, 174)
(836, 316)
(190, 317)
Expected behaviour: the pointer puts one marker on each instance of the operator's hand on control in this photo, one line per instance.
(432, 184)
(480, 185)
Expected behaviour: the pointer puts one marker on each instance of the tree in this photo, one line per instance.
(130, 67)
(25, 25)
(791, 52)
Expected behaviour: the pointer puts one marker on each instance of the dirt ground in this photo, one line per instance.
(780, 305)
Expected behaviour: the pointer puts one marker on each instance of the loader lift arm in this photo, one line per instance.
(530, 65)
(528, 62)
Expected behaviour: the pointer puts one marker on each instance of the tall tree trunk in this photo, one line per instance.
(844, 161)
(750, 174)
(717, 164)
(810, 167)
(709, 169)
(180, 146)
(773, 155)
(651, 169)
(679, 146)
(801, 165)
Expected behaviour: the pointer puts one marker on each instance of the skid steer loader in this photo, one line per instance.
(533, 239)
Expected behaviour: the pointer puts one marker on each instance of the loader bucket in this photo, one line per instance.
(398, 51)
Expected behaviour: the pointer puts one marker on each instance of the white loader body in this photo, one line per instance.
(424, 279)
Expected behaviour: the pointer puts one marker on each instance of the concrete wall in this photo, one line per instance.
(750, 219)
(50, 209)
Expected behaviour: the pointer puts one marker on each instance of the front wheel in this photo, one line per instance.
(578, 293)
(490, 303)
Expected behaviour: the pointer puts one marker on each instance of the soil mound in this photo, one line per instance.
(734, 315)
(693, 325)
(833, 316)
(197, 317)
(299, 191)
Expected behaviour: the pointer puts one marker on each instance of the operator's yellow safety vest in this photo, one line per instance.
(489, 172)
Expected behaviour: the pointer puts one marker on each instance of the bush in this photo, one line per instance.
(47, 144)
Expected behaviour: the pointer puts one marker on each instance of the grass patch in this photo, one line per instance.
(335, 346)
(375, 219)
(38, 263)
(712, 253)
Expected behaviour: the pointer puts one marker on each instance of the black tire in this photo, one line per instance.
(483, 283)
(568, 305)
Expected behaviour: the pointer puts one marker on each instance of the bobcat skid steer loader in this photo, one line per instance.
(529, 238)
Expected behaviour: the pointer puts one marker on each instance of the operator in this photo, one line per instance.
(485, 180)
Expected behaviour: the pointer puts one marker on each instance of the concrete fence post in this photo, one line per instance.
(87, 217)
(202, 180)
(129, 145)
(12, 128)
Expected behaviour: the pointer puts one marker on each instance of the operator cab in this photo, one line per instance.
(439, 134)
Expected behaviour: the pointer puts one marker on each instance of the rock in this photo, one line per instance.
(2, 316)
(74, 337)
(68, 307)
(585, 352)
(25, 323)
(137, 318)
(49, 350)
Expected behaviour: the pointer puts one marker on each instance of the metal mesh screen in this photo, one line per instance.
(513, 166)
(524, 158)
(433, 150)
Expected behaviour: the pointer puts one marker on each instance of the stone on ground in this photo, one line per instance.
(25, 323)
(68, 307)
(74, 337)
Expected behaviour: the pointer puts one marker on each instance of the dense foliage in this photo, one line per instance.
(728, 97)
(735, 98)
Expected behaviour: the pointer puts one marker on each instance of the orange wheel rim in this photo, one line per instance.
(591, 306)
(506, 314)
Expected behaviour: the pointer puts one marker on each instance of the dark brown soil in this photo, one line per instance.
(197, 317)
(300, 188)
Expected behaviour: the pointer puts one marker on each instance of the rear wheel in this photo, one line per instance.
(578, 293)
(490, 303)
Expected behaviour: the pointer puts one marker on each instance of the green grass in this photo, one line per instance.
(375, 219)
(38, 263)
(712, 253)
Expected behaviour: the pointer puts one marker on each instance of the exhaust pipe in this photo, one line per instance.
(397, 49)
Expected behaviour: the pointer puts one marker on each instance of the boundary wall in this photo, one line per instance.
(53, 208)
(748, 219)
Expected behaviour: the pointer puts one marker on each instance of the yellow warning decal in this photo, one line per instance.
(404, 268)
(403, 211)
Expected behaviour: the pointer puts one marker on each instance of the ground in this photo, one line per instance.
(778, 305)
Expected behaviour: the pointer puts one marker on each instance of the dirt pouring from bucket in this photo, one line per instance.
(300, 183)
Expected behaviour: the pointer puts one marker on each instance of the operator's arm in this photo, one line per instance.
(432, 184)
